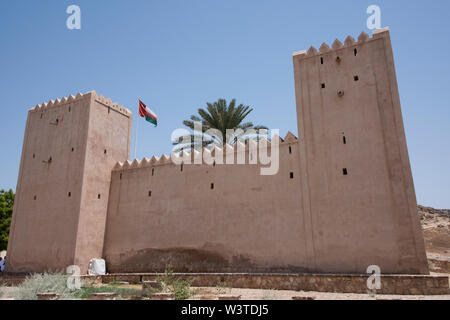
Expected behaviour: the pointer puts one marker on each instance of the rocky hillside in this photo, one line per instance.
(428, 210)
(436, 232)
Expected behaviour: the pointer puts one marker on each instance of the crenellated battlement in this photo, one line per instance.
(338, 45)
(189, 157)
(79, 97)
(114, 105)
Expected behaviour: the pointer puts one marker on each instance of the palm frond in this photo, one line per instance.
(220, 116)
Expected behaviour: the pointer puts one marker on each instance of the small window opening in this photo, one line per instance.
(214, 163)
(120, 177)
(69, 108)
(212, 186)
(69, 194)
(344, 171)
(73, 149)
(321, 60)
(105, 152)
(291, 175)
(323, 85)
(344, 140)
(109, 109)
(150, 193)
(41, 115)
(35, 197)
(290, 149)
(356, 78)
(355, 52)
(153, 171)
(98, 196)
(34, 156)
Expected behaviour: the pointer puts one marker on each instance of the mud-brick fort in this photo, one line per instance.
(343, 198)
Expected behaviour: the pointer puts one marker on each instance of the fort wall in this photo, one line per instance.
(343, 198)
(350, 204)
(58, 217)
(206, 217)
(355, 166)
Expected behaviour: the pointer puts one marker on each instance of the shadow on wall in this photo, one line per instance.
(187, 260)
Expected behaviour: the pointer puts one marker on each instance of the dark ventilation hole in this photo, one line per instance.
(105, 151)
(41, 115)
(290, 149)
(321, 60)
(69, 194)
(323, 85)
(34, 156)
(120, 177)
(153, 171)
(109, 109)
(98, 196)
(344, 171)
(35, 198)
(291, 175)
(344, 140)
(150, 193)
(69, 108)
(356, 78)
(214, 163)
(73, 149)
(212, 186)
(355, 52)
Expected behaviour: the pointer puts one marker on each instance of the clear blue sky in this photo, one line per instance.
(176, 55)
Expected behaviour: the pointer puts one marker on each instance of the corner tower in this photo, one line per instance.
(69, 149)
(356, 176)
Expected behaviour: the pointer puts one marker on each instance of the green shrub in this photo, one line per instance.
(57, 283)
(182, 289)
(87, 292)
(44, 283)
(168, 283)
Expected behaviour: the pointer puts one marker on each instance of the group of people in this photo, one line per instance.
(2, 264)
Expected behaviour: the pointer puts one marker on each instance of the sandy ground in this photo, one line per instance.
(208, 293)
(259, 294)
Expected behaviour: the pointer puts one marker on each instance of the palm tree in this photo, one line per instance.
(219, 116)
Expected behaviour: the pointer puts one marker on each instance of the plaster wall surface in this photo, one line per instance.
(58, 219)
(109, 137)
(44, 223)
(246, 222)
(355, 163)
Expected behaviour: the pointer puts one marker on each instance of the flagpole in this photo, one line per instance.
(136, 133)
